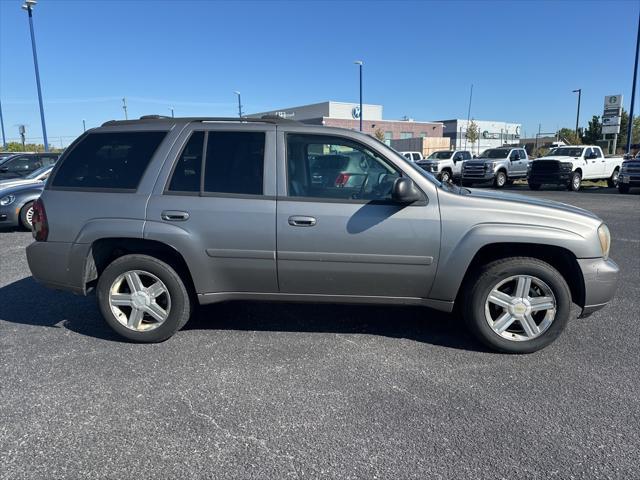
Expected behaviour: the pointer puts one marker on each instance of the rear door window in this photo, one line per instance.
(114, 160)
(187, 172)
(234, 163)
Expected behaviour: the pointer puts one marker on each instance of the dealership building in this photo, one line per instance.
(491, 134)
(347, 115)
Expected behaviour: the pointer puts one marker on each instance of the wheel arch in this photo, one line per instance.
(103, 251)
(558, 257)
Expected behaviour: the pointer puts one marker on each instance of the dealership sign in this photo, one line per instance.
(612, 114)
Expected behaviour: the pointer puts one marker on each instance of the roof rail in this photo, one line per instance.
(273, 119)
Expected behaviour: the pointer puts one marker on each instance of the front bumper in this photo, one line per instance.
(476, 177)
(631, 180)
(9, 216)
(600, 282)
(550, 178)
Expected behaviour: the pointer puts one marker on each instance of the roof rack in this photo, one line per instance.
(273, 119)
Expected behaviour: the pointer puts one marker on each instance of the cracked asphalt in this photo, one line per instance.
(277, 391)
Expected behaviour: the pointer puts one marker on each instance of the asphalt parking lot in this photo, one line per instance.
(275, 391)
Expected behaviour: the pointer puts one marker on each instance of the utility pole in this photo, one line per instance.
(84, 125)
(360, 63)
(579, 92)
(28, 6)
(124, 107)
(172, 115)
(633, 91)
(4, 139)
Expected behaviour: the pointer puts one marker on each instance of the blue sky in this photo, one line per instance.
(524, 58)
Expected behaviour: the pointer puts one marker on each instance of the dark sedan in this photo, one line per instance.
(16, 205)
(22, 164)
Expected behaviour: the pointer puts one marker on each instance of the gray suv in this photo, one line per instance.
(159, 214)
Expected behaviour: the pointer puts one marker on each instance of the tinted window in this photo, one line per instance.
(353, 172)
(22, 165)
(597, 152)
(187, 172)
(108, 160)
(235, 162)
(466, 156)
(495, 153)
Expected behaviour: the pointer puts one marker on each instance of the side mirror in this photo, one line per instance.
(405, 191)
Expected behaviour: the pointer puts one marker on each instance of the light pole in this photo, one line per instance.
(360, 63)
(172, 115)
(124, 107)
(239, 103)
(28, 6)
(633, 91)
(4, 139)
(84, 125)
(579, 92)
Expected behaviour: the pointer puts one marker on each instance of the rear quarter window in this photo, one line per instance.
(114, 160)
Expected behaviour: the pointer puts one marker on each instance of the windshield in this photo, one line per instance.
(567, 152)
(442, 155)
(495, 153)
(38, 172)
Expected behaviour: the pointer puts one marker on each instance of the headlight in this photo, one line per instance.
(605, 240)
(624, 167)
(489, 165)
(7, 200)
(566, 165)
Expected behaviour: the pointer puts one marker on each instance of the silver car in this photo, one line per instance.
(159, 214)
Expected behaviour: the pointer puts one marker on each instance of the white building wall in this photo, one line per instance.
(493, 134)
(346, 111)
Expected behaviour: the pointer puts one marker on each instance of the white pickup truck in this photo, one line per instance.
(445, 164)
(571, 164)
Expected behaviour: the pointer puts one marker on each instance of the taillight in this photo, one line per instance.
(40, 228)
(342, 179)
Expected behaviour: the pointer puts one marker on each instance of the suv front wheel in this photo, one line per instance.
(143, 299)
(518, 305)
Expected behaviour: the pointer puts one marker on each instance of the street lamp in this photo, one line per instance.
(172, 115)
(84, 125)
(360, 63)
(28, 6)
(239, 103)
(4, 139)
(579, 92)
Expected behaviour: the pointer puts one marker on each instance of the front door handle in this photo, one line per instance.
(302, 221)
(174, 216)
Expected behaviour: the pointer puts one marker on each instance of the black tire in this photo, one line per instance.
(534, 186)
(490, 275)
(623, 188)
(575, 182)
(500, 180)
(26, 216)
(467, 183)
(181, 301)
(445, 176)
(612, 182)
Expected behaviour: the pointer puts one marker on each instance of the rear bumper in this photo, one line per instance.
(59, 265)
(600, 282)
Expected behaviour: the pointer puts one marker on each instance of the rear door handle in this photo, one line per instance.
(302, 221)
(174, 216)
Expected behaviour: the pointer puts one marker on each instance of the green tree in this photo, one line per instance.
(29, 147)
(473, 132)
(568, 135)
(593, 133)
(379, 134)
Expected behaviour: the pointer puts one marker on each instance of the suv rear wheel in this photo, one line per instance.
(518, 305)
(500, 179)
(143, 299)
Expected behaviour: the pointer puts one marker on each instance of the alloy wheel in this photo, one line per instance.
(139, 300)
(520, 308)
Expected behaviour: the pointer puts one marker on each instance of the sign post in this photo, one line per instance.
(611, 118)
